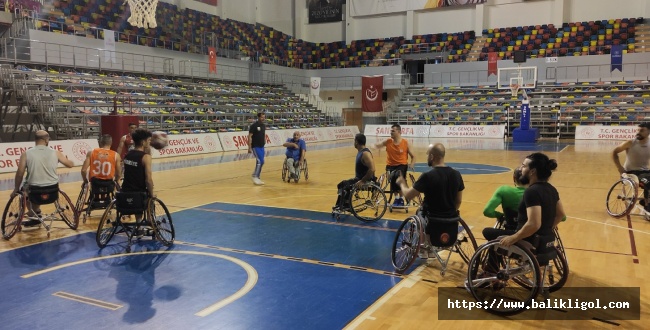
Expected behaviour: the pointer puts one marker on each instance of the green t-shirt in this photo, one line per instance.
(508, 197)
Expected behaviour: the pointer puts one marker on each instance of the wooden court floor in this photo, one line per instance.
(602, 251)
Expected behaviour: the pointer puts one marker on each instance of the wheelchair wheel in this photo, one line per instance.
(559, 272)
(304, 169)
(66, 210)
(285, 172)
(161, 221)
(418, 199)
(82, 201)
(406, 244)
(621, 198)
(559, 245)
(466, 243)
(368, 203)
(12, 215)
(496, 274)
(107, 225)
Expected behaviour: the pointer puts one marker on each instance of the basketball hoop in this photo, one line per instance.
(143, 13)
(514, 88)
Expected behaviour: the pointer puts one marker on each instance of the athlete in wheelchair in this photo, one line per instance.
(635, 173)
(515, 266)
(295, 164)
(41, 187)
(437, 225)
(361, 195)
(397, 155)
(101, 182)
(136, 199)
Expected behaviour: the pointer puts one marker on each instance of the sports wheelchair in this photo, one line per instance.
(384, 182)
(452, 235)
(556, 270)
(151, 218)
(366, 203)
(95, 195)
(302, 169)
(19, 207)
(514, 274)
(623, 197)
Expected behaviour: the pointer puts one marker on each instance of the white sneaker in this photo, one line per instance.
(257, 181)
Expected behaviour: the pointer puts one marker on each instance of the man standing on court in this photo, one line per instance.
(397, 153)
(256, 142)
(637, 157)
(126, 142)
(296, 148)
(40, 163)
(103, 162)
(442, 187)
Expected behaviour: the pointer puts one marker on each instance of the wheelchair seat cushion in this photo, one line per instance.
(99, 186)
(442, 231)
(131, 202)
(43, 195)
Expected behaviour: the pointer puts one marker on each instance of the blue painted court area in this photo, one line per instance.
(232, 267)
(541, 146)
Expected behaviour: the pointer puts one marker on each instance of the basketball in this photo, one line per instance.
(158, 140)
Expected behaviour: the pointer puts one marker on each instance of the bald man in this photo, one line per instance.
(296, 148)
(40, 163)
(442, 187)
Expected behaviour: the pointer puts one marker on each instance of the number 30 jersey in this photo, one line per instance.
(102, 164)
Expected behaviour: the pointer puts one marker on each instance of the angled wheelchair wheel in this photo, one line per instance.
(161, 221)
(368, 203)
(558, 272)
(305, 169)
(285, 172)
(559, 245)
(417, 201)
(82, 201)
(621, 198)
(13, 215)
(503, 275)
(66, 210)
(107, 225)
(466, 243)
(406, 244)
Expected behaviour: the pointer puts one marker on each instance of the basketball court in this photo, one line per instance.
(272, 256)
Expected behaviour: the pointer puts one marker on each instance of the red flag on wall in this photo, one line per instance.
(371, 91)
(492, 63)
(212, 53)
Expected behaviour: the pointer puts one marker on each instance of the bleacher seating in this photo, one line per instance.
(78, 99)
(557, 108)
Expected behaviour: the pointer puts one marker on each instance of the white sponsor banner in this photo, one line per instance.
(276, 138)
(109, 46)
(314, 85)
(375, 7)
(467, 131)
(74, 150)
(601, 132)
(188, 144)
(239, 140)
(421, 131)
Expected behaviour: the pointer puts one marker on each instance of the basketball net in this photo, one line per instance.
(143, 13)
(514, 89)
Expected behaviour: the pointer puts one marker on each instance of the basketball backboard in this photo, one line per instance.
(524, 76)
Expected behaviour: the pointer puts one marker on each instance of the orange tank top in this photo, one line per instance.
(397, 153)
(102, 164)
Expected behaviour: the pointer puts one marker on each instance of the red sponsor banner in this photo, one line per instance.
(492, 63)
(212, 53)
(371, 91)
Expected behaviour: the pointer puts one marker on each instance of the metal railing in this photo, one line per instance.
(53, 54)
